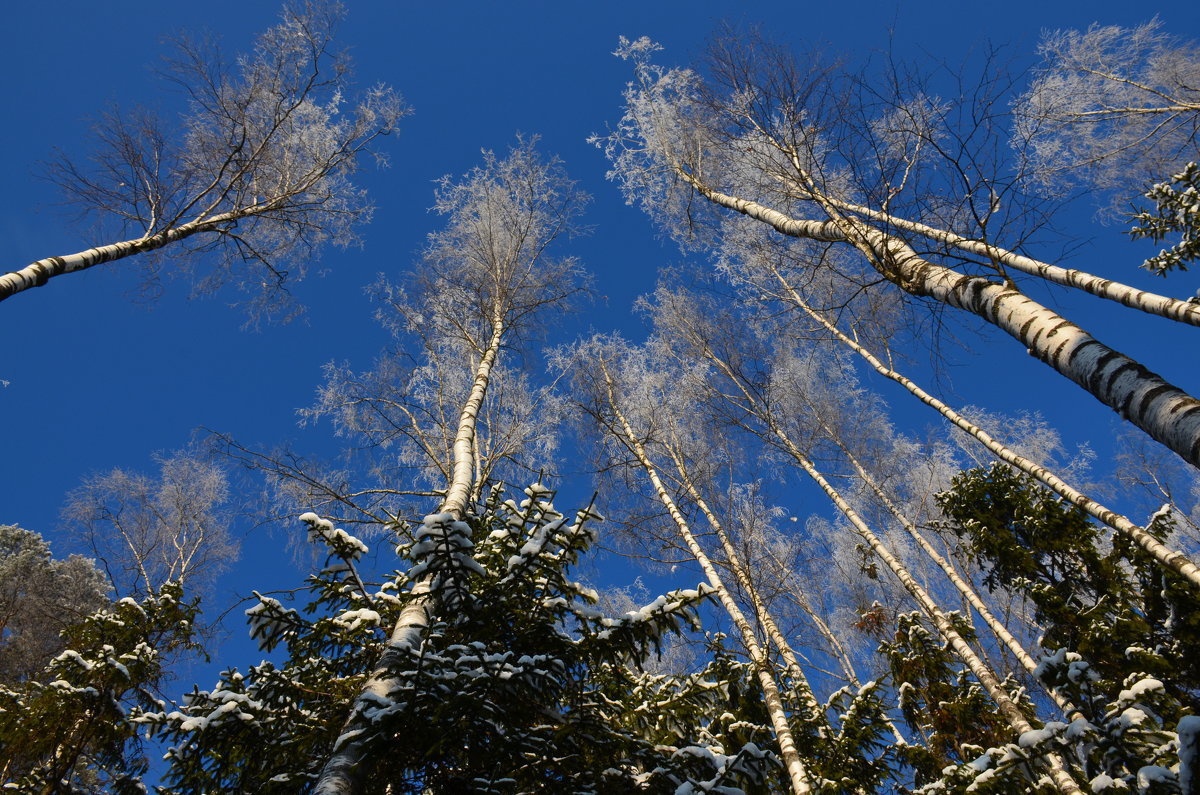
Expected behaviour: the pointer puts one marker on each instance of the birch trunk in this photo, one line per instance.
(986, 677)
(1124, 294)
(340, 775)
(839, 651)
(1165, 412)
(36, 274)
(968, 592)
(991, 683)
(764, 615)
(774, 703)
(1169, 558)
(738, 567)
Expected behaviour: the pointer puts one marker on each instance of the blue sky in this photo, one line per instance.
(96, 380)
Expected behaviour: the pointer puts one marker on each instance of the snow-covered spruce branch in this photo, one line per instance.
(340, 543)
(339, 775)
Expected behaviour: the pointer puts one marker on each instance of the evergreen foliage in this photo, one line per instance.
(1177, 209)
(480, 665)
(940, 702)
(520, 685)
(67, 730)
(1119, 632)
(39, 598)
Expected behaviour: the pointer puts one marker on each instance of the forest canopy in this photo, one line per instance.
(809, 419)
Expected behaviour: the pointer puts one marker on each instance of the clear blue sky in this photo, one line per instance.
(95, 380)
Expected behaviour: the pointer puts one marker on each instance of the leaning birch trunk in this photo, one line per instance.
(839, 651)
(38, 273)
(969, 593)
(774, 703)
(341, 775)
(1008, 708)
(764, 615)
(1124, 294)
(1169, 558)
(986, 677)
(761, 613)
(1165, 412)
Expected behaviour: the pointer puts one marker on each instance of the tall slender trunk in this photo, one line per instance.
(341, 774)
(742, 574)
(1165, 412)
(763, 614)
(1124, 294)
(986, 677)
(38, 273)
(968, 592)
(1168, 557)
(797, 773)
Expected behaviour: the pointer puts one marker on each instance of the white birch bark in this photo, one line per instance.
(969, 593)
(797, 773)
(340, 775)
(1168, 414)
(1124, 294)
(928, 605)
(986, 677)
(38, 273)
(740, 571)
(1172, 559)
(763, 614)
(1165, 412)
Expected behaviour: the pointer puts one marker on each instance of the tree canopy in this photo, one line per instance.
(876, 489)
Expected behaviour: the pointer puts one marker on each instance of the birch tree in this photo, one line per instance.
(490, 272)
(649, 425)
(250, 184)
(764, 405)
(609, 407)
(402, 415)
(150, 531)
(764, 139)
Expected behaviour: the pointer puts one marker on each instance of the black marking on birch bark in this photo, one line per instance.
(1103, 378)
(968, 290)
(1051, 356)
(1189, 407)
(1061, 324)
(1024, 332)
(1150, 395)
(1042, 335)
(42, 273)
(1190, 410)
